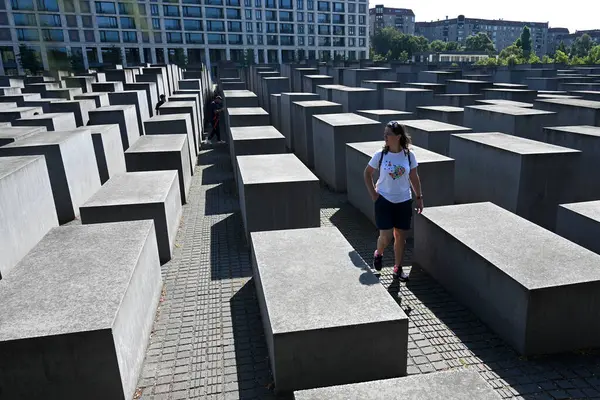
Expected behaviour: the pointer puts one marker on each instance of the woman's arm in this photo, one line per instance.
(416, 184)
(368, 176)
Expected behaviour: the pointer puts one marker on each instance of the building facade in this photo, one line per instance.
(208, 30)
(503, 33)
(558, 35)
(381, 17)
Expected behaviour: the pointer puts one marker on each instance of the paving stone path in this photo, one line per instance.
(208, 343)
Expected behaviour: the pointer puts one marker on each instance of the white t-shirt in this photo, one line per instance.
(394, 183)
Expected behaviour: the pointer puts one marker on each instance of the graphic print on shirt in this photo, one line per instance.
(394, 171)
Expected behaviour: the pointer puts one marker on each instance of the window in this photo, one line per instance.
(194, 38)
(233, 3)
(236, 39)
(69, 5)
(272, 40)
(142, 9)
(311, 17)
(323, 18)
(89, 35)
(172, 24)
(310, 5)
(109, 36)
(50, 20)
(324, 30)
(174, 37)
(286, 16)
(270, 15)
(24, 19)
(362, 31)
(286, 4)
(323, 6)
(311, 40)
(104, 7)
(22, 4)
(351, 8)
(145, 37)
(155, 23)
(192, 25)
(27, 35)
(301, 29)
(301, 41)
(107, 22)
(74, 36)
(287, 40)
(71, 21)
(213, 2)
(362, 8)
(270, 4)
(361, 42)
(257, 3)
(157, 38)
(247, 3)
(154, 9)
(216, 13)
(271, 28)
(127, 23)
(300, 4)
(234, 13)
(248, 14)
(260, 39)
(258, 14)
(215, 26)
(171, 11)
(84, 6)
(130, 37)
(338, 19)
(338, 30)
(362, 20)
(259, 27)
(234, 26)
(286, 28)
(215, 38)
(249, 39)
(48, 5)
(338, 7)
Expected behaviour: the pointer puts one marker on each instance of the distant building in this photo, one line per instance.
(502, 33)
(381, 17)
(568, 38)
(555, 36)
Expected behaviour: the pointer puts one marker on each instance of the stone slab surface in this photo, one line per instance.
(139, 195)
(287, 115)
(136, 98)
(26, 207)
(83, 300)
(63, 121)
(310, 322)
(79, 108)
(452, 385)
(468, 249)
(71, 164)
(432, 135)
(124, 116)
(108, 149)
(10, 134)
(159, 153)
(580, 223)
(185, 107)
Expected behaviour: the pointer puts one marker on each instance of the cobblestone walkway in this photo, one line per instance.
(208, 342)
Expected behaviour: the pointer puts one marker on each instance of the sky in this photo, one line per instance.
(558, 13)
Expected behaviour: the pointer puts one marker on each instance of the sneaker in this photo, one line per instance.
(399, 274)
(377, 261)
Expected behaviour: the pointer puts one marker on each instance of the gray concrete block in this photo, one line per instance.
(432, 135)
(108, 149)
(273, 85)
(100, 98)
(255, 140)
(520, 95)
(584, 184)
(151, 93)
(311, 322)
(20, 99)
(331, 133)
(185, 107)
(107, 86)
(447, 114)
(438, 76)
(195, 97)
(519, 121)
(436, 172)
(82, 301)
(525, 177)
(407, 99)
(277, 191)
(65, 94)
(380, 86)
(355, 98)
(580, 223)
(160, 153)
(44, 104)
(508, 103)
(303, 112)
(156, 78)
(436, 88)
(174, 124)
(10, 134)
(298, 74)
(384, 116)
(276, 111)
(287, 126)
(456, 100)
(325, 92)
(467, 86)
(239, 98)
(51, 121)
(82, 82)
(27, 206)
(572, 111)
(312, 81)
(71, 165)
(136, 98)
(355, 76)
(549, 285)
(79, 108)
(246, 116)
(458, 384)
(12, 114)
(135, 196)
(125, 116)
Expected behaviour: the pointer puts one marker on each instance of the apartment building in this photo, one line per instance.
(403, 19)
(503, 33)
(207, 30)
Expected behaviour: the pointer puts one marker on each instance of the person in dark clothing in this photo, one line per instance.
(216, 108)
(162, 101)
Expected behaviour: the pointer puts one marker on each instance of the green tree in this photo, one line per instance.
(390, 44)
(179, 58)
(593, 56)
(76, 62)
(480, 42)
(562, 47)
(547, 60)
(526, 41)
(437, 46)
(248, 57)
(561, 58)
(29, 60)
(113, 56)
(58, 60)
(582, 46)
(453, 46)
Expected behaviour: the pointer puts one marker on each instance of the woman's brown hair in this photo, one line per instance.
(405, 140)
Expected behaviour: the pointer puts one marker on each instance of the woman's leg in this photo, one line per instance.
(402, 221)
(384, 222)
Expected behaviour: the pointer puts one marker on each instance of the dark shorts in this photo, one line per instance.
(390, 215)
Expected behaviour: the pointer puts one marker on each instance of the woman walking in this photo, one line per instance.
(392, 194)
